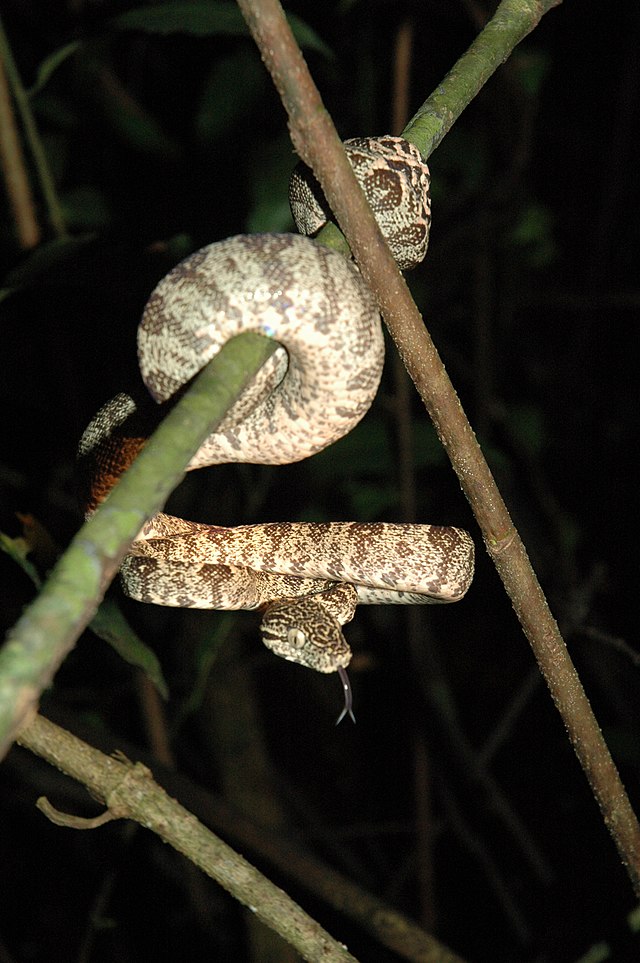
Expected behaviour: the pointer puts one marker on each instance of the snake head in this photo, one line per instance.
(302, 630)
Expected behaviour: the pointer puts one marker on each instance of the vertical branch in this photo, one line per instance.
(129, 792)
(316, 140)
(47, 186)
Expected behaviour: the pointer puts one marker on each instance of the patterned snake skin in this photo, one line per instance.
(394, 178)
(306, 577)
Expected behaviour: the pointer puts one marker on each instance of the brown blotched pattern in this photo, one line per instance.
(310, 300)
(395, 180)
(430, 563)
(307, 577)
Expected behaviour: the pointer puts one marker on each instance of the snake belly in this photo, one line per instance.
(306, 577)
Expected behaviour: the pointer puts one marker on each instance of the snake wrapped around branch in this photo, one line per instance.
(307, 578)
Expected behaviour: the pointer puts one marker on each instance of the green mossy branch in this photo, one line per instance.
(49, 627)
(510, 24)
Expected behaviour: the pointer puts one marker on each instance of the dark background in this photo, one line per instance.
(160, 144)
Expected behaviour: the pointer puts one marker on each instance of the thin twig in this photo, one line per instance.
(486, 790)
(47, 184)
(317, 142)
(15, 172)
(473, 842)
(402, 60)
(423, 857)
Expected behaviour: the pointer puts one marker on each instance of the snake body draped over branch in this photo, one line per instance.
(306, 577)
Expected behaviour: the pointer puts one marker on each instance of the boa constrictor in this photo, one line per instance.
(306, 577)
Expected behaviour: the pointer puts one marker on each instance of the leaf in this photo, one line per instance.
(205, 19)
(18, 549)
(50, 64)
(133, 124)
(533, 234)
(532, 67)
(217, 112)
(204, 657)
(45, 262)
(85, 208)
(526, 422)
(369, 501)
(110, 625)
(270, 170)
(633, 919)
(364, 452)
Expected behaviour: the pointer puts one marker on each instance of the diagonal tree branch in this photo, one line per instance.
(130, 792)
(317, 142)
(290, 858)
(511, 23)
(49, 627)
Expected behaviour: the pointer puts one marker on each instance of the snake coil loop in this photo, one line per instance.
(395, 180)
(307, 578)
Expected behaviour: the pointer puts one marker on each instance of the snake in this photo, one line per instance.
(306, 578)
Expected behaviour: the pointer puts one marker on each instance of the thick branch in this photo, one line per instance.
(49, 627)
(291, 858)
(130, 793)
(318, 144)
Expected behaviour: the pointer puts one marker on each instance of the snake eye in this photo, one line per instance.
(296, 638)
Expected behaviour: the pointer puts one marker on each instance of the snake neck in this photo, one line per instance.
(113, 439)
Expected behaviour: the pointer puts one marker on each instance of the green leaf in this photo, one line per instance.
(44, 263)
(364, 452)
(205, 656)
(110, 625)
(269, 177)
(370, 501)
(138, 128)
(533, 234)
(85, 208)
(205, 19)
(18, 549)
(633, 919)
(50, 64)
(527, 425)
(532, 67)
(241, 72)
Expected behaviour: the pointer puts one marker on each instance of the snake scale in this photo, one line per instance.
(307, 578)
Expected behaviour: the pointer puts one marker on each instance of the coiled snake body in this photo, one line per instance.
(307, 577)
